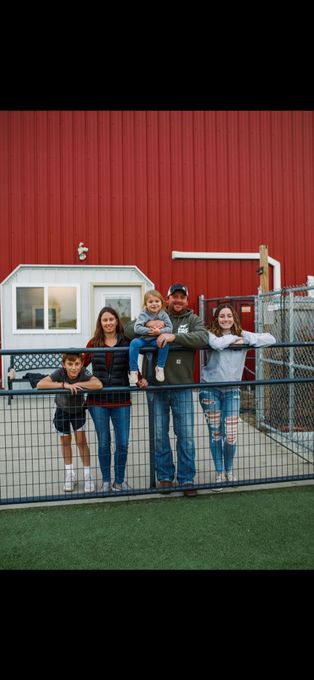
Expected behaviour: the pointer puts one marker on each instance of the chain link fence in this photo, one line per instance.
(289, 316)
(286, 410)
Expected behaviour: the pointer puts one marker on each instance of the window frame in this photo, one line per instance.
(46, 329)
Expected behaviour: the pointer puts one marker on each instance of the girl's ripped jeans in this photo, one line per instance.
(221, 409)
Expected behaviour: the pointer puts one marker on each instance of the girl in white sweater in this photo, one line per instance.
(221, 405)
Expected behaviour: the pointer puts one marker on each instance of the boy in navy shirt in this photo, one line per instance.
(71, 410)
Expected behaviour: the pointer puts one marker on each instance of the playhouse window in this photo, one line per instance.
(46, 308)
(62, 307)
(29, 308)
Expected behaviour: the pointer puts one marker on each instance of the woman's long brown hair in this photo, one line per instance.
(99, 337)
(236, 329)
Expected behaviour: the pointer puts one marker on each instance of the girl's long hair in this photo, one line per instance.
(99, 337)
(236, 329)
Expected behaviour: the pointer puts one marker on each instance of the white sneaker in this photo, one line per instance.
(218, 480)
(70, 481)
(89, 485)
(120, 487)
(133, 378)
(230, 477)
(160, 374)
(106, 487)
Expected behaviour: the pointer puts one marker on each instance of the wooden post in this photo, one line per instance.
(263, 261)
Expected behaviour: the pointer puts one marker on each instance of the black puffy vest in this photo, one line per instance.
(117, 374)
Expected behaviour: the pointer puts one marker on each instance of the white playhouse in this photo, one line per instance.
(51, 306)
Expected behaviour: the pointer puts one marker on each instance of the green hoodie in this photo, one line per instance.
(190, 332)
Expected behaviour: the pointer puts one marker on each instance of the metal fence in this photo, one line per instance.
(289, 316)
(288, 410)
(32, 467)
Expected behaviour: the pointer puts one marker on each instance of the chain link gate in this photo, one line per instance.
(289, 315)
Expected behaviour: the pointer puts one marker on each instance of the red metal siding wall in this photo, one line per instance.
(133, 186)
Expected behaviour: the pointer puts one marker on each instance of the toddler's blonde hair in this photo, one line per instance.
(156, 294)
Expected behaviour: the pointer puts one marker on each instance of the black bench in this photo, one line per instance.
(19, 363)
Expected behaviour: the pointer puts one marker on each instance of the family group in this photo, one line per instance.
(160, 324)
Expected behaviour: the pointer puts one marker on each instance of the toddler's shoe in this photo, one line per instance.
(133, 378)
(160, 374)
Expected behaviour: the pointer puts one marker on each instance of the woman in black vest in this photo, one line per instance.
(112, 369)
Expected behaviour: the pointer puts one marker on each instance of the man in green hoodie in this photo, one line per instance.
(188, 332)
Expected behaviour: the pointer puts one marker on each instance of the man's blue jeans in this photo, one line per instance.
(120, 417)
(221, 409)
(181, 404)
(137, 343)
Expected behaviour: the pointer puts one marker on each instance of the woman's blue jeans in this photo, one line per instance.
(120, 418)
(222, 433)
(137, 343)
(181, 404)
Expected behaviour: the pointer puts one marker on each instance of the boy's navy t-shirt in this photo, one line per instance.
(70, 402)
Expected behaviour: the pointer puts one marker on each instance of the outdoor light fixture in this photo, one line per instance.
(82, 250)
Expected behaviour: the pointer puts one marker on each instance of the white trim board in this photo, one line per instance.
(185, 255)
(101, 267)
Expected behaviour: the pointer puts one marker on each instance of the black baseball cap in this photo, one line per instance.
(179, 287)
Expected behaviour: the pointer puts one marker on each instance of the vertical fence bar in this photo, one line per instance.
(151, 429)
(291, 366)
(258, 323)
(201, 299)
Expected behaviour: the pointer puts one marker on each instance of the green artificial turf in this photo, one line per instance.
(264, 529)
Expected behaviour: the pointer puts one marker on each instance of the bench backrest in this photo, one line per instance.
(26, 362)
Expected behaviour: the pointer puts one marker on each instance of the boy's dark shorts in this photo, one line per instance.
(63, 420)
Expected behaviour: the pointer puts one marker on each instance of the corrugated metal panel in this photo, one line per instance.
(5, 195)
(141, 235)
(56, 218)
(155, 243)
(164, 234)
(135, 185)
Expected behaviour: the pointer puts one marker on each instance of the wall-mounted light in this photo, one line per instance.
(82, 250)
(260, 271)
